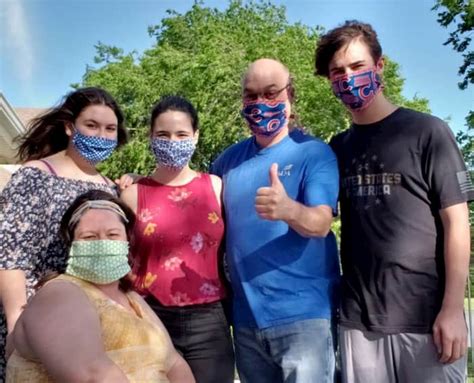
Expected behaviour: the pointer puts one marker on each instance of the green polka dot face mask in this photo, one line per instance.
(100, 261)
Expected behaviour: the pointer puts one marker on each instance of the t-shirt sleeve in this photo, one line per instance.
(217, 167)
(23, 217)
(445, 171)
(321, 185)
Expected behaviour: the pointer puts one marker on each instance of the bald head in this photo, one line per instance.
(267, 77)
(266, 69)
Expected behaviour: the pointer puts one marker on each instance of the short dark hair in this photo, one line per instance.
(46, 134)
(67, 232)
(339, 37)
(175, 103)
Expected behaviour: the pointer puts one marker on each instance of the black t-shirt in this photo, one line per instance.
(396, 175)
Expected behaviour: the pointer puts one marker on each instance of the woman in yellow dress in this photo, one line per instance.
(86, 325)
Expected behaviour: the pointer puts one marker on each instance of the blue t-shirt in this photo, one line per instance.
(277, 275)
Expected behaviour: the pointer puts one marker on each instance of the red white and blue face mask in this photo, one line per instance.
(358, 89)
(265, 118)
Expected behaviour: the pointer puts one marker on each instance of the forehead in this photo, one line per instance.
(173, 120)
(261, 77)
(99, 219)
(355, 51)
(100, 113)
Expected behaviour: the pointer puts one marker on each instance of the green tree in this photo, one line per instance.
(466, 142)
(202, 55)
(461, 14)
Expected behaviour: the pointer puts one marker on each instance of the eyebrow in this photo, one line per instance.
(94, 231)
(96, 122)
(165, 131)
(350, 64)
(267, 87)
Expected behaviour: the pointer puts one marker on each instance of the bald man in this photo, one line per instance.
(280, 193)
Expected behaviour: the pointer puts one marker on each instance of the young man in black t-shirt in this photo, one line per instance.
(405, 230)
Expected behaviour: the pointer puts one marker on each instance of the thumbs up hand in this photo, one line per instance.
(272, 202)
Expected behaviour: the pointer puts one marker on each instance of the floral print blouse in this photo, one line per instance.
(178, 235)
(31, 207)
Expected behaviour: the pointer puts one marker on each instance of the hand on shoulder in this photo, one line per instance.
(127, 180)
(130, 196)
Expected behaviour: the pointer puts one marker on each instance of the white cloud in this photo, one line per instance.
(17, 39)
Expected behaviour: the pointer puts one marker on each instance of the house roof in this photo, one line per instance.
(13, 122)
(27, 114)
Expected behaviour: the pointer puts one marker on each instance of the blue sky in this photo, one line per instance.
(45, 45)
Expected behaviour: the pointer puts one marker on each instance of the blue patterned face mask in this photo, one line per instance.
(265, 118)
(93, 149)
(173, 154)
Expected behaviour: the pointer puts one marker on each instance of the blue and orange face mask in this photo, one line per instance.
(265, 118)
(358, 89)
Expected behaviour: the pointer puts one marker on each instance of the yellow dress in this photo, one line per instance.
(134, 342)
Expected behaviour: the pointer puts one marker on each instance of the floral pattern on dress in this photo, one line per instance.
(200, 242)
(31, 207)
(209, 289)
(179, 194)
(145, 215)
(149, 229)
(213, 217)
(197, 242)
(184, 248)
(180, 298)
(172, 263)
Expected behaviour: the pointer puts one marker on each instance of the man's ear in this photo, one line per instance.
(291, 92)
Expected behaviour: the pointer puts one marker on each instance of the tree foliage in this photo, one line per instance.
(466, 142)
(461, 14)
(202, 55)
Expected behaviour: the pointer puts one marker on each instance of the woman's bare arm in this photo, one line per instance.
(61, 328)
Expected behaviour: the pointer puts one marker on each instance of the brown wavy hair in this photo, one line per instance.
(46, 133)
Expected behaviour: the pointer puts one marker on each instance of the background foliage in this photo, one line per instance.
(460, 15)
(202, 55)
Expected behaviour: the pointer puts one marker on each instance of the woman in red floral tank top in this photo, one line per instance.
(177, 249)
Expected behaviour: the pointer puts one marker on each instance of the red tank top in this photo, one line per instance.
(178, 234)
